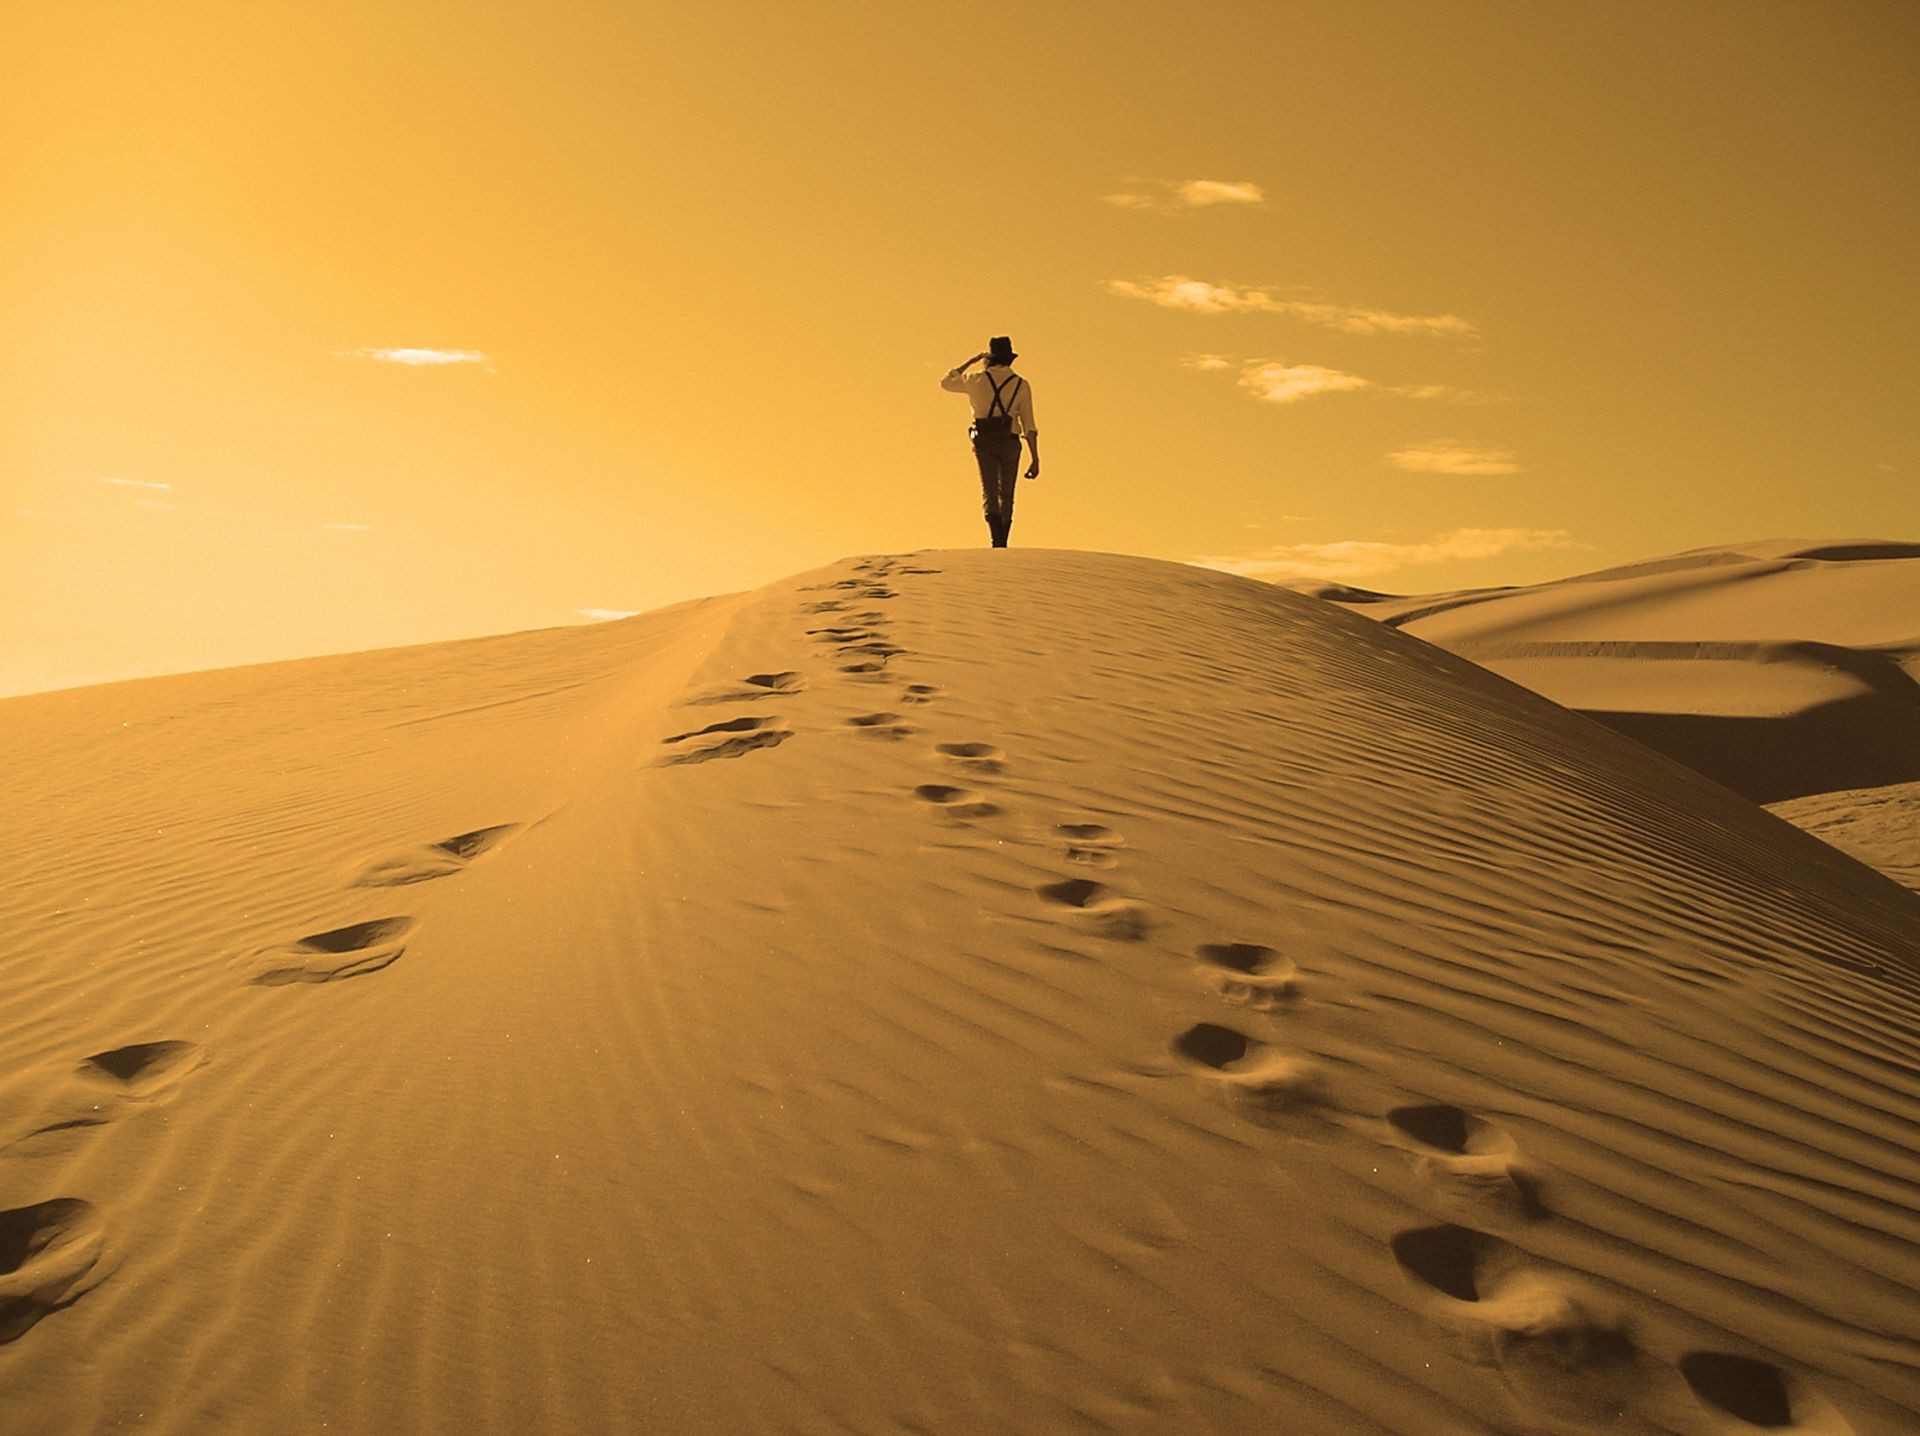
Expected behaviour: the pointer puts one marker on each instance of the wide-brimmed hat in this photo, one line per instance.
(1000, 350)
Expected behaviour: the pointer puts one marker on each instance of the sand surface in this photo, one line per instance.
(963, 992)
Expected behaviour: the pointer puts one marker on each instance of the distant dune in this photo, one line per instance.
(971, 992)
(1782, 669)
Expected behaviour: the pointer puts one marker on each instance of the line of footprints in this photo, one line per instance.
(862, 648)
(51, 1252)
(1562, 1346)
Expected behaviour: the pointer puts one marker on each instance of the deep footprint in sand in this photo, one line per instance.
(1090, 843)
(142, 1071)
(1248, 974)
(1561, 1348)
(955, 802)
(975, 757)
(1257, 1072)
(434, 860)
(1098, 908)
(920, 692)
(1752, 1391)
(743, 741)
(751, 688)
(339, 953)
(731, 725)
(879, 725)
(1473, 1162)
(49, 1258)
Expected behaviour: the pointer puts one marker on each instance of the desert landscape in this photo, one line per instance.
(1023, 991)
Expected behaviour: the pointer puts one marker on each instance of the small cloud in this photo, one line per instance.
(415, 357)
(1200, 296)
(1444, 393)
(1290, 383)
(1350, 559)
(1285, 383)
(1198, 194)
(137, 484)
(1177, 196)
(1450, 456)
(601, 615)
(349, 528)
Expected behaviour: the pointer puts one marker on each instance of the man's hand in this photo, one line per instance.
(1033, 469)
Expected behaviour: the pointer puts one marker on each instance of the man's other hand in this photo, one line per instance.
(1033, 471)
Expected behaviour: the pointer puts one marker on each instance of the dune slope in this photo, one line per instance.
(988, 991)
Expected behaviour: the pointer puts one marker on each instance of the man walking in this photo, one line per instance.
(1002, 412)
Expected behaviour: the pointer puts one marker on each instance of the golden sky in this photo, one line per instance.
(1418, 296)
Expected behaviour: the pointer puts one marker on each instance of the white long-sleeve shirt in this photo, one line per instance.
(979, 389)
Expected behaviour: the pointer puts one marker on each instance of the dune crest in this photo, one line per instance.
(982, 991)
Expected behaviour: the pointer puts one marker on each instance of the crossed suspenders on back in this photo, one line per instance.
(999, 408)
(999, 416)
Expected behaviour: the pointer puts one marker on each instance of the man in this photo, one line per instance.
(1002, 412)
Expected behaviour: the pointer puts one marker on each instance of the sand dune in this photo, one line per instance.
(1781, 669)
(963, 992)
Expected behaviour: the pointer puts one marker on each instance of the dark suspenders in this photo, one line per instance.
(999, 406)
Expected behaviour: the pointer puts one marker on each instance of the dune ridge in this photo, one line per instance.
(1015, 991)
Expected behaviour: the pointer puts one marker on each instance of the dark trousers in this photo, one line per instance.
(999, 459)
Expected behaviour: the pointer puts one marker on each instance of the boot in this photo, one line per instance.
(998, 528)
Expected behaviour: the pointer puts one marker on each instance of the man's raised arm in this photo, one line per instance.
(956, 379)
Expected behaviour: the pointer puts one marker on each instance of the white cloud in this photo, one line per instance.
(599, 615)
(1281, 383)
(1197, 194)
(1290, 383)
(1450, 456)
(137, 484)
(1176, 196)
(1200, 296)
(416, 357)
(1347, 560)
(349, 528)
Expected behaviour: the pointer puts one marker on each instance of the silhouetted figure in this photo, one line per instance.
(1002, 412)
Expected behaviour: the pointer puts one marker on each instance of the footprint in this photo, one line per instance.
(1756, 1392)
(742, 743)
(1099, 908)
(342, 952)
(731, 725)
(1258, 1072)
(977, 757)
(1479, 1161)
(49, 1258)
(826, 605)
(921, 692)
(873, 668)
(880, 725)
(956, 802)
(142, 1070)
(1090, 843)
(1452, 1260)
(1249, 975)
(753, 686)
(841, 635)
(434, 860)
